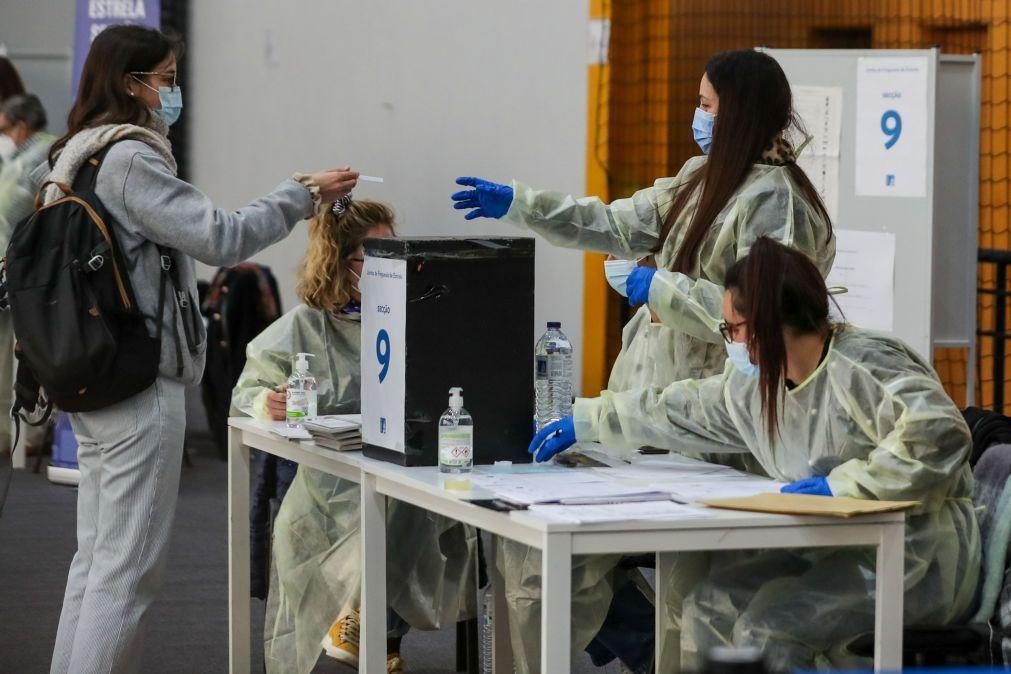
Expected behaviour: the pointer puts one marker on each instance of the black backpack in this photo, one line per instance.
(79, 334)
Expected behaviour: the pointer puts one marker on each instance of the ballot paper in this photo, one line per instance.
(527, 488)
(620, 512)
(694, 492)
(281, 428)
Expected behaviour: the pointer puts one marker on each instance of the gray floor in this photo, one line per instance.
(187, 626)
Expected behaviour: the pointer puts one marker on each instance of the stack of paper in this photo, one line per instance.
(620, 512)
(342, 432)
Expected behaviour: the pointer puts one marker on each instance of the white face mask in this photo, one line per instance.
(7, 147)
(737, 353)
(356, 286)
(617, 272)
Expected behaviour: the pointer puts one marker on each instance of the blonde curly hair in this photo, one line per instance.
(333, 240)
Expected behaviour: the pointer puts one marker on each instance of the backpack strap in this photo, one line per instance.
(167, 264)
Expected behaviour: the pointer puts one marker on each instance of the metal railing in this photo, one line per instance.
(999, 333)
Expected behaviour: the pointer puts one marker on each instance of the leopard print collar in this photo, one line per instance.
(779, 152)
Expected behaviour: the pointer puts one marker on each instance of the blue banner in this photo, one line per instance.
(94, 16)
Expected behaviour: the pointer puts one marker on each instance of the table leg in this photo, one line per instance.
(556, 603)
(372, 650)
(889, 595)
(238, 554)
(502, 653)
(660, 605)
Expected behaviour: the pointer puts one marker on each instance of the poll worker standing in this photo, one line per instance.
(695, 225)
(131, 451)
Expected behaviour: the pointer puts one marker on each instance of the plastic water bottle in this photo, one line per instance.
(486, 630)
(456, 436)
(301, 393)
(552, 376)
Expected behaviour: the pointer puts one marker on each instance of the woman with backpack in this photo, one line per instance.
(131, 451)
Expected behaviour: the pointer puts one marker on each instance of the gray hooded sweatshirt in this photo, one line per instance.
(152, 207)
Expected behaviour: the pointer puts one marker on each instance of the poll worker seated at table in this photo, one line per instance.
(833, 410)
(316, 572)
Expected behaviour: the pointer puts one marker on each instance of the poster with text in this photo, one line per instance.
(891, 127)
(384, 330)
(94, 16)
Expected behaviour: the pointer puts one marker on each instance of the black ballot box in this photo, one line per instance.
(444, 312)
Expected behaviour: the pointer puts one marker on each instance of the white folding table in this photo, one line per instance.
(557, 541)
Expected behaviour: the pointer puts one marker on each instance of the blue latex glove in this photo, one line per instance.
(553, 439)
(638, 285)
(488, 199)
(814, 486)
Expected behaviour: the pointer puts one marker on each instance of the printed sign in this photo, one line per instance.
(891, 151)
(94, 16)
(384, 330)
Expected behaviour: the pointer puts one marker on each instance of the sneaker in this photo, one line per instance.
(395, 664)
(341, 642)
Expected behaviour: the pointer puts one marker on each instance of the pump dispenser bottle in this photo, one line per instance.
(456, 436)
(301, 396)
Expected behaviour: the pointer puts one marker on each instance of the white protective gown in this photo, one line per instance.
(686, 344)
(316, 569)
(877, 421)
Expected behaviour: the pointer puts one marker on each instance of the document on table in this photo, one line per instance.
(620, 512)
(806, 504)
(281, 428)
(691, 492)
(527, 488)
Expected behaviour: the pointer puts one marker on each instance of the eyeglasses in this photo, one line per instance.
(728, 330)
(167, 78)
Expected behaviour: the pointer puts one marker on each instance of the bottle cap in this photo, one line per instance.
(302, 362)
(456, 398)
(554, 324)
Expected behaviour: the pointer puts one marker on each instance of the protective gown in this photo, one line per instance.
(876, 420)
(316, 570)
(686, 344)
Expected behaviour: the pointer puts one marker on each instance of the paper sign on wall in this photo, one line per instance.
(384, 330)
(891, 127)
(820, 112)
(865, 266)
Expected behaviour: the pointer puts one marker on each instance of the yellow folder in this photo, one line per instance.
(805, 504)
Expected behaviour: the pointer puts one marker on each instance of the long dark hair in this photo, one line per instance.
(756, 106)
(775, 287)
(10, 80)
(102, 96)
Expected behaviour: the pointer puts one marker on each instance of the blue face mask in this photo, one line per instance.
(171, 99)
(737, 353)
(617, 272)
(702, 127)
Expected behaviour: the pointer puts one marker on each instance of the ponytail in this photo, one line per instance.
(775, 288)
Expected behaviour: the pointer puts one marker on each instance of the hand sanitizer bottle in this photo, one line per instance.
(301, 397)
(456, 436)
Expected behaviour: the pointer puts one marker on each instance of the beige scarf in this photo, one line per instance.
(86, 143)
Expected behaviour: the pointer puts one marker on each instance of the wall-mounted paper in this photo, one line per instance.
(891, 147)
(865, 266)
(820, 112)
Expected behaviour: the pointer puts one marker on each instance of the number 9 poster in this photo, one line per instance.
(384, 327)
(891, 127)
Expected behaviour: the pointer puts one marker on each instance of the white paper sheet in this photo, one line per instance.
(820, 112)
(891, 127)
(865, 266)
(689, 492)
(281, 428)
(546, 487)
(621, 512)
